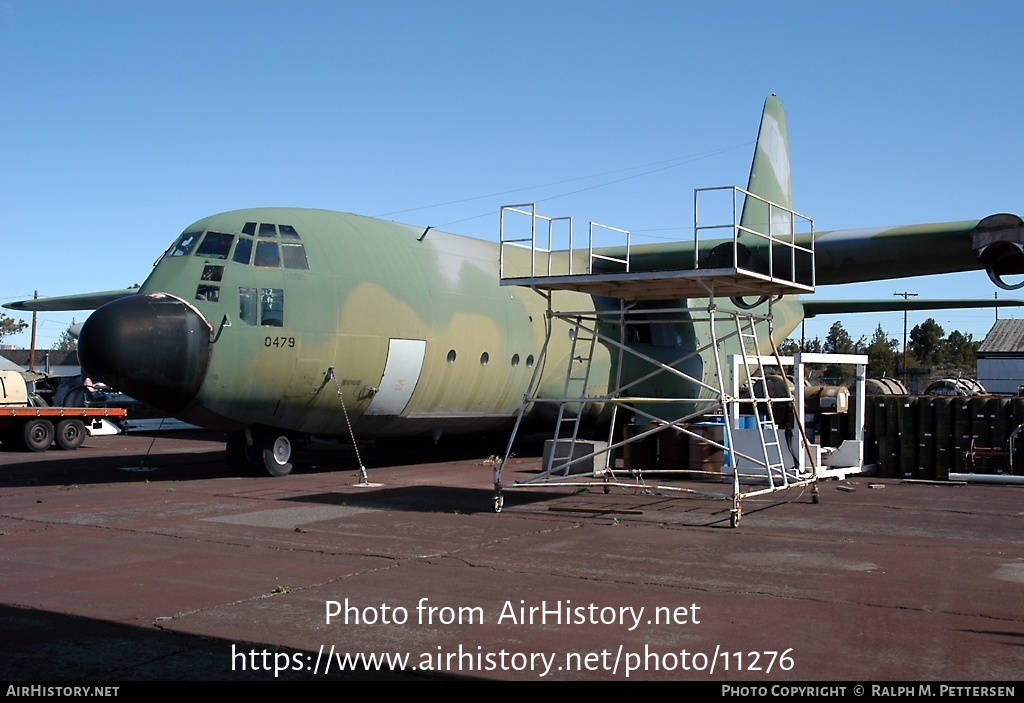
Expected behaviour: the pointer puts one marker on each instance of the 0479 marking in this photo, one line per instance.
(279, 342)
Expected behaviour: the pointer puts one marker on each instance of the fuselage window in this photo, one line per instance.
(267, 230)
(294, 256)
(288, 232)
(185, 243)
(243, 251)
(210, 294)
(215, 245)
(247, 306)
(250, 228)
(267, 255)
(272, 307)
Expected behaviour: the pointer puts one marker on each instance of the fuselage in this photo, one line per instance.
(275, 317)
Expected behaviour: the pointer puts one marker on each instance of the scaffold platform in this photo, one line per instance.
(607, 360)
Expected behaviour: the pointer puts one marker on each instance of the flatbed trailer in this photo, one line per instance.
(38, 428)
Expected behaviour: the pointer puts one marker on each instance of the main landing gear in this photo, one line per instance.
(259, 451)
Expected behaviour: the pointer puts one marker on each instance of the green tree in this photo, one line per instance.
(927, 342)
(8, 325)
(839, 341)
(961, 350)
(66, 342)
(789, 347)
(883, 354)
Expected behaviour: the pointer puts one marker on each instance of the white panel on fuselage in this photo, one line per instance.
(401, 373)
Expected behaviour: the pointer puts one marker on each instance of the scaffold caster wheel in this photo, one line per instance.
(607, 488)
(499, 502)
(815, 499)
(734, 518)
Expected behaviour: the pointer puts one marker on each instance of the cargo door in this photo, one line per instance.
(401, 373)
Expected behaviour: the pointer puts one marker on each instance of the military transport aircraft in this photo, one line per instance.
(277, 324)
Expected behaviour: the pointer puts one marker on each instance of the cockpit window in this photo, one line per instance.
(208, 293)
(250, 228)
(215, 246)
(269, 302)
(268, 230)
(288, 232)
(243, 251)
(185, 243)
(294, 256)
(272, 307)
(213, 273)
(267, 255)
(247, 306)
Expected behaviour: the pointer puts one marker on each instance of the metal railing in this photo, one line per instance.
(780, 243)
(547, 259)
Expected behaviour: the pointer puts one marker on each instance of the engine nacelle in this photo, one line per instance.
(998, 242)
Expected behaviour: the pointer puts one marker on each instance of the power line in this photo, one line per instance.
(672, 163)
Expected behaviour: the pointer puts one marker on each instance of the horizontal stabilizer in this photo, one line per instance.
(813, 308)
(82, 301)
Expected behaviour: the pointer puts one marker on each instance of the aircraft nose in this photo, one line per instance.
(154, 347)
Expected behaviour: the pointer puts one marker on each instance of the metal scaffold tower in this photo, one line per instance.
(713, 392)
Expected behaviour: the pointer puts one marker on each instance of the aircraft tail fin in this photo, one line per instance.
(770, 174)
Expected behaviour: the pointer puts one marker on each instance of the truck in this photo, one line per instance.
(27, 422)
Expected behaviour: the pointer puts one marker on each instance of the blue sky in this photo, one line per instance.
(123, 122)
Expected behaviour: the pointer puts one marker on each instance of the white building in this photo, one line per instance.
(1001, 358)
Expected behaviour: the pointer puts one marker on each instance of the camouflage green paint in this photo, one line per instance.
(369, 282)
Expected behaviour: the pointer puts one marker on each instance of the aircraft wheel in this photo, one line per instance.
(37, 435)
(70, 434)
(275, 453)
(238, 455)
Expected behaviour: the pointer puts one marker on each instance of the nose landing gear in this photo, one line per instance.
(261, 451)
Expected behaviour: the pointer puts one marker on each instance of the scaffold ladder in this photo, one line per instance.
(577, 377)
(760, 398)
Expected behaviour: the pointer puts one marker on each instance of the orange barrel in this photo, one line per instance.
(641, 454)
(674, 450)
(704, 456)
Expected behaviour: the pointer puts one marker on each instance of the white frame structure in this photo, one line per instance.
(762, 465)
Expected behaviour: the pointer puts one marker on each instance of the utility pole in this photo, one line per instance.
(905, 296)
(32, 346)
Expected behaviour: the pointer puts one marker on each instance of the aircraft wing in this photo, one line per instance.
(994, 244)
(850, 256)
(81, 301)
(837, 307)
